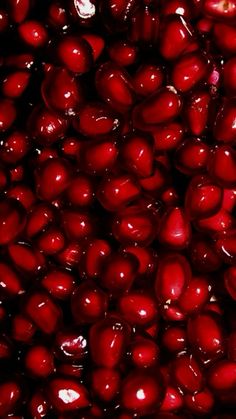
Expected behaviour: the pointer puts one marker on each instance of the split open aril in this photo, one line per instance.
(117, 209)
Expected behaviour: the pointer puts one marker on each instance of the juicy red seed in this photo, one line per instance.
(75, 53)
(39, 361)
(33, 33)
(159, 108)
(117, 209)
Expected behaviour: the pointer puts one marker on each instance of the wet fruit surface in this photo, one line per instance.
(117, 209)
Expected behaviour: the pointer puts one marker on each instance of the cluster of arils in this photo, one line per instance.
(117, 200)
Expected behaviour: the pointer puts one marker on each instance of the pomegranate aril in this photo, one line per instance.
(61, 92)
(89, 303)
(205, 335)
(197, 110)
(147, 79)
(33, 33)
(114, 87)
(187, 374)
(143, 353)
(222, 10)
(145, 383)
(203, 197)
(39, 361)
(75, 54)
(105, 383)
(108, 336)
(159, 108)
(173, 275)
(138, 309)
(175, 37)
(67, 395)
(175, 230)
(224, 124)
(42, 310)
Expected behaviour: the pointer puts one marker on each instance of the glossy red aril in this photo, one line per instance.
(42, 310)
(10, 395)
(14, 147)
(146, 256)
(222, 165)
(143, 352)
(142, 392)
(220, 9)
(58, 283)
(114, 87)
(10, 284)
(229, 74)
(192, 156)
(39, 218)
(205, 335)
(22, 328)
(168, 137)
(94, 256)
(39, 361)
(187, 373)
(222, 376)
(147, 79)
(196, 294)
(105, 383)
(175, 37)
(138, 308)
(19, 10)
(12, 220)
(67, 395)
(89, 303)
(145, 24)
(45, 126)
(134, 225)
(179, 7)
(38, 405)
(175, 230)
(119, 272)
(61, 92)
(115, 192)
(159, 108)
(203, 197)
(174, 339)
(80, 191)
(137, 155)
(25, 257)
(173, 276)
(71, 254)
(96, 42)
(33, 33)
(52, 178)
(225, 244)
(197, 111)
(70, 345)
(173, 400)
(15, 84)
(200, 403)
(124, 53)
(75, 54)
(108, 336)
(225, 37)
(224, 129)
(77, 224)
(188, 71)
(97, 157)
(96, 119)
(7, 114)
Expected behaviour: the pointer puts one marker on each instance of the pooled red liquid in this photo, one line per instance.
(117, 209)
